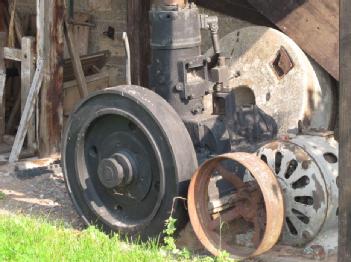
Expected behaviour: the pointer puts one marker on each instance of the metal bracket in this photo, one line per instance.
(193, 76)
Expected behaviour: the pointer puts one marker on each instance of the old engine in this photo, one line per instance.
(129, 152)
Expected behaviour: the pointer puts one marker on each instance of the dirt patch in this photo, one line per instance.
(43, 196)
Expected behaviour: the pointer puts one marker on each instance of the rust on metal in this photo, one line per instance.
(258, 202)
(282, 63)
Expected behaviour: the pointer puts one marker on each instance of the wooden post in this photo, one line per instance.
(2, 84)
(345, 134)
(27, 73)
(138, 33)
(50, 14)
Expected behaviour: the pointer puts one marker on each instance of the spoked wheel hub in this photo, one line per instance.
(306, 168)
(124, 151)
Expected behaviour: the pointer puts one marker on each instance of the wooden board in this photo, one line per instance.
(3, 26)
(2, 84)
(97, 60)
(71, 95)
(138, 33)
(344, 182)
(312, 24)
(27, 113)
(240, 9)
(80, 35)
(100, 5)
(77, 64)
(27, 73)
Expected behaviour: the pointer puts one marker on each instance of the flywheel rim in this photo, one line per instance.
(171, 137)
(272, 195)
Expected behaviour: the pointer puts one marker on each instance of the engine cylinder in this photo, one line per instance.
(176, 37)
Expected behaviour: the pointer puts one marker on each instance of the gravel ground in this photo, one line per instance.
(43, 196)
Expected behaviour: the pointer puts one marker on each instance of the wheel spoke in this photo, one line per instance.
(225, 217)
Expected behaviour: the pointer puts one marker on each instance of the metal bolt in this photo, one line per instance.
(306, 235)
(179, 87)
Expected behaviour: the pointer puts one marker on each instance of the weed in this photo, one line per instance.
(169, 232)
(2, 195)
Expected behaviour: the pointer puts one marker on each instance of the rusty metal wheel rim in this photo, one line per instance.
(272, 195)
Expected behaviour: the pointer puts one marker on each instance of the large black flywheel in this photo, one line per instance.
(126, 156)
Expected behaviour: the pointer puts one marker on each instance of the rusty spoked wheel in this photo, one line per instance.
(255, 206)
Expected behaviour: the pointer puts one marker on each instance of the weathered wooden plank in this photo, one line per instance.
(3, 26)
(77, 65)
(27, 73)
(17, 22)
(13, 54)
(50, 45)
(344, 181)
(240, 9)
(312, 24)
(100, 5)
(2, 84)
(71, 95)
(80, 34)
(98, 60)
(138, 32)
(27, 113)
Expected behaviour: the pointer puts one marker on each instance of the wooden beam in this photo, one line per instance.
(17, 22)
(27, 74)
(139, 34)
(27, 113)
(240, 9)
(13, 54)
(76, 62)
(2, 84)
(3, 8)
(312, 24)
(344, 181)
(50, 39)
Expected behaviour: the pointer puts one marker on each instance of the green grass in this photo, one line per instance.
(27, 239)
